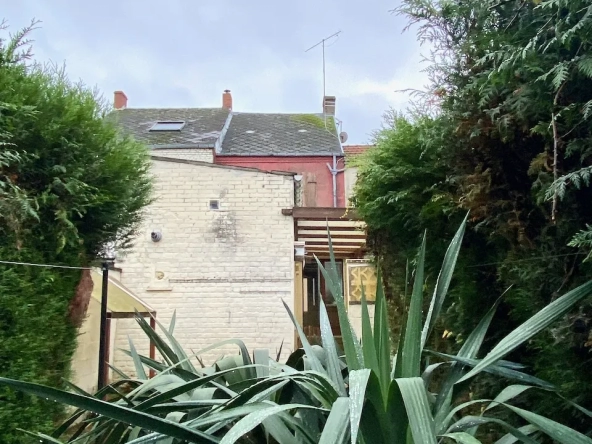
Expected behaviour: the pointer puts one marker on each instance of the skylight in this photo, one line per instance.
(168, 126)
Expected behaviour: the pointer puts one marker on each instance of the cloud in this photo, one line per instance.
(187, 53)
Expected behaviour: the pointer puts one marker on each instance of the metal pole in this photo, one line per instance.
(324, 92)
(103, 330)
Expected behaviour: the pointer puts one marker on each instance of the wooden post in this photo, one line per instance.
(298, 298)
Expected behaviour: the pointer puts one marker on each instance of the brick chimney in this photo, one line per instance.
(329, 106)
(227, 100)
(119, 100)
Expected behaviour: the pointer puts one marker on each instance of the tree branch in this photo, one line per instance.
(556, 143)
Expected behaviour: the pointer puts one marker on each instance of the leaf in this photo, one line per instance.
(497, 369)
(315, 363)
(358, 380)
(336, 430)
(184, 360)
(469, 349)
(353, 350)
(508, 393)
(417, 406)
(411, 353)
(511, 439)
(261, 358)
(254, 419)
(555, 430)
(467, 422)
(113, 411)
(531, 327)
(333, 367)
(137, 361)
(462, 438)
(368, 344)
(218, 417)
(383, 333)
(443, 282)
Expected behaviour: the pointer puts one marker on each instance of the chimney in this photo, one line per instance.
(227, 100)
(329, 106)
(119, 100)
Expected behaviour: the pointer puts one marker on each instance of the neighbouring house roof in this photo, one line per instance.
(234, 134)
(353, 151)
(257, 134)
(202, 128)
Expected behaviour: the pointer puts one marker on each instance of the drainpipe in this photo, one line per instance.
(333, 169)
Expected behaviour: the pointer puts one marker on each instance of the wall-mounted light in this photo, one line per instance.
(156, 236)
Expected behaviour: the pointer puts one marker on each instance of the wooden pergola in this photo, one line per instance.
(312, 226)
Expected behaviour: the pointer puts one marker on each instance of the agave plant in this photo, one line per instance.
(368, 394)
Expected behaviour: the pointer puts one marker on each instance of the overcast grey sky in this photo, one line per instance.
(184, 53)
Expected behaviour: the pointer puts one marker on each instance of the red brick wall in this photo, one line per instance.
(316, 167)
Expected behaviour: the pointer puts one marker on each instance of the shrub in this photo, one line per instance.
(319, 396)
(69, 184)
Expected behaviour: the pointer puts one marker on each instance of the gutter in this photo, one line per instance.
(182, 145)
(333, 169)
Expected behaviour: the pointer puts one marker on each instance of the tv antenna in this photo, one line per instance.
(322, 43)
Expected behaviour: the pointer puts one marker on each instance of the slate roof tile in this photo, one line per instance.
(203, 126)
(248, 134)
(258, 134)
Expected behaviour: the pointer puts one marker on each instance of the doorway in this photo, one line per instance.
(316, 288)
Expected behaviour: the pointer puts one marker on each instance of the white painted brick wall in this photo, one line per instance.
(354, 312)
(240, 259)
(197, 154)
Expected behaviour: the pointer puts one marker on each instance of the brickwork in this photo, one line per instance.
(225, 271)
(197, 154)
(355, 317)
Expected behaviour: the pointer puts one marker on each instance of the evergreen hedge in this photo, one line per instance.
(69, 185)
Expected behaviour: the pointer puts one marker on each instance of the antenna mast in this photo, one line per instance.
(322, 42)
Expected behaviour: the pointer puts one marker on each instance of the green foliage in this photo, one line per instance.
(510, 94)
(319, 396)
(36, 340)
(79, 175)
(69, 185)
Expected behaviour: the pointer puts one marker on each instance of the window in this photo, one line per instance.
(214, 204)
(168, 126)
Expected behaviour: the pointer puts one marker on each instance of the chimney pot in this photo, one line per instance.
(227, 100)
(119, 100)
(329, 106)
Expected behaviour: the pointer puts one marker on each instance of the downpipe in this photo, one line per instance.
(334, 170)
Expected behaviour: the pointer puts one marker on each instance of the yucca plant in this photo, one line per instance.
(366, 395)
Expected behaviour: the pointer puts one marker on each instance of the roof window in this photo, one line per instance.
(168, 126)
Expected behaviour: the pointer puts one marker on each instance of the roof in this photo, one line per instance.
(257, 134)
(355, 150)
(352, 152)
(203, 126)
(222, 166)
(121, 302)
(239, 134)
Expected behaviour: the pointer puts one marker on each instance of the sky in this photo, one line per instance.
(184, 53)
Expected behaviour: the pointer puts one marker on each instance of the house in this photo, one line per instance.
(306, 144)
(352, 154)
(242, 206)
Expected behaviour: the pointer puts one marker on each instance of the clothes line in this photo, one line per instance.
(45, 265)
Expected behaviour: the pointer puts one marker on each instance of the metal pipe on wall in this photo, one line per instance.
(333, 169)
